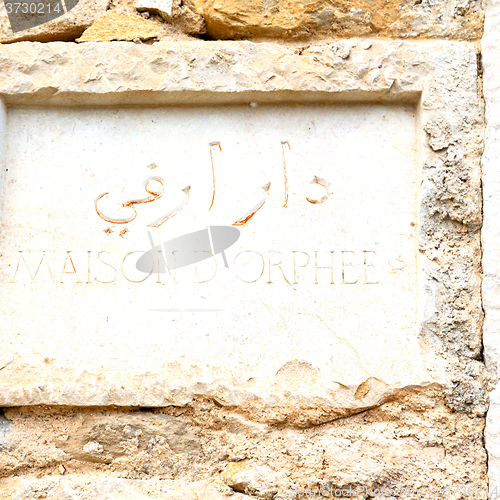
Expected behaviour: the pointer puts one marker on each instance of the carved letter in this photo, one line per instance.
(164, 218)
(196, 267)
(278, 264)
(285, 177)
(166, 266)
(33, 278)
(88, 277)
(69, 272)
(113, 220)
(323, 183)
(150, 272)
(243, 221)
(295, 264)
(212, 146)
(261, 272)
(153, 195)
(99, 257)
(347, 264)
(367, 265)
(316, 267)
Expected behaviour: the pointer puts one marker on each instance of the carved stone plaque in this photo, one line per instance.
(324, 199)
(249, 247)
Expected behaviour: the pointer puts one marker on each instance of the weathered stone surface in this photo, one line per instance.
(187, 20)
(229, 19)
(182, 24)
(113, 26)
(491, 229)
(181, 21)
(414, 441)
(65, 28)
(162, 7)
(105, 439)
(248, 477)
(100, 488)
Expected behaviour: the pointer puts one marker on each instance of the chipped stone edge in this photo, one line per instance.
(100, 487)
(3, 131)
(490, 47)
(440, 78)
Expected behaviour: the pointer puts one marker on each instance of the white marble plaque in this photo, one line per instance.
(323, 275)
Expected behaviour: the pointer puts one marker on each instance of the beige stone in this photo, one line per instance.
(229, 19)
(104, 440)
(65, 28)
(97, 487)
(161, 7)
(413, 441)
(248, 477)
(187, 20)
(127, 7)
(182, 18)
(113, 26)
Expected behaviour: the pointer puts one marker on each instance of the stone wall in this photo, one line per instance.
(339, 392)
(283, 20)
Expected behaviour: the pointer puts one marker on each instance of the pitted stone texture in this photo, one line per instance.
(65, 28)
(81, 487)
(246, 476)
(113, 26)
(162, 7)
(181, 25)
(413, 441)
(104, 440)
(187, 20)
(230, 19)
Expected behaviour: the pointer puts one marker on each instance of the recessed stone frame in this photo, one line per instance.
(439, 78)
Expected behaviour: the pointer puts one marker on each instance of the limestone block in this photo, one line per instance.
(66, 27)
(412, 442)
(228, 19)
(114, 26)
(187, 20)
(110, 489)
(356, 273)
(108, 438)
(366, 262)
(255, 480)
(267, 265)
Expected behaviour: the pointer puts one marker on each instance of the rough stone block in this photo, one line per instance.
(113, 26)
(411, 444)
(229, 19)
